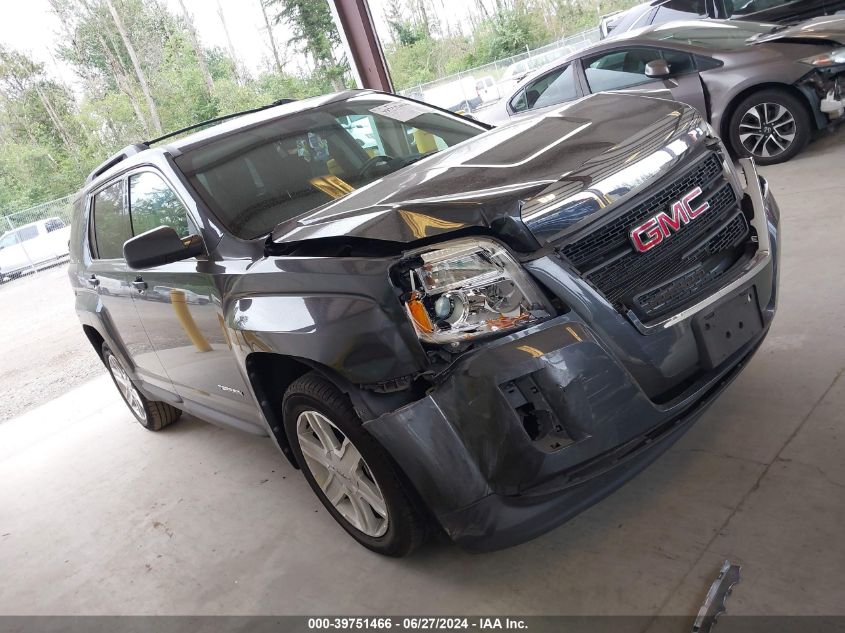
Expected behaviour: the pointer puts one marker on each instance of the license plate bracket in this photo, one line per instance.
(723, 330)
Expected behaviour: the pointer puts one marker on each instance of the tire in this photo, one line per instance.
(313, 407)
(784, 127)
(152, 415)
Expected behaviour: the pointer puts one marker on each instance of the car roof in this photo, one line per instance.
(140, 154)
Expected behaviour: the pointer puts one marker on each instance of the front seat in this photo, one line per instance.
(636, 60)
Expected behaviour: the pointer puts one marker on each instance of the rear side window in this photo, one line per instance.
(153, 203)
(111, 222)
(28, 233)
(54, 224)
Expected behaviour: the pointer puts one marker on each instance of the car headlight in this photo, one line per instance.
(468, 288)
(829, 58)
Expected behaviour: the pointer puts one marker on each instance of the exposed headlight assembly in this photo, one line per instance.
(469, 288)
(830, 58)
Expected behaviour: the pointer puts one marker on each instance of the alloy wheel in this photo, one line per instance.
(342, 473)
(127, 389)
(767, 130)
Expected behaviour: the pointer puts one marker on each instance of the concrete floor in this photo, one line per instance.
(98, 516)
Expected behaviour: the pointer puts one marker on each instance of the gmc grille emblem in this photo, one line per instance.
(661, 226)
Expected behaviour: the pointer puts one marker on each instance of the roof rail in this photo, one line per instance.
(218, 120)
(126, 152)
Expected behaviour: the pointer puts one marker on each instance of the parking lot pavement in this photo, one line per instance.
(43, 352)
(99, 516)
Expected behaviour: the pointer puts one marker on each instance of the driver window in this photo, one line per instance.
(152, 203)
(619, 69)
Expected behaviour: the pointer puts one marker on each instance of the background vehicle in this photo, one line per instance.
(662, 11)
(459, 95)
(33, 246)
(764, 88)
(492, 336)
(486, 89)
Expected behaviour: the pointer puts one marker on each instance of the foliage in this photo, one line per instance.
(314, 31)
(51, 136)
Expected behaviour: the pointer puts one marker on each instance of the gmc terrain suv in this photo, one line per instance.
(473, 330)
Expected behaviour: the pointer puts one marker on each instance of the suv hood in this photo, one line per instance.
(494, 179)
(822, 30)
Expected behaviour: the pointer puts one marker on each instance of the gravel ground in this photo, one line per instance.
(44, 352)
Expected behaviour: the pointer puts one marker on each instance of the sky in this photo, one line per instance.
(30, 26)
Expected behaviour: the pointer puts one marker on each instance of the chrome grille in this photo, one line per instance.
(683, 265)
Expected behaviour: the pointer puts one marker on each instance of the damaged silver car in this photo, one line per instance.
(765, 88)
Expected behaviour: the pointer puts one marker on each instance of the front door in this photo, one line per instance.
(181, 310)
(623, 70)
(107, 277)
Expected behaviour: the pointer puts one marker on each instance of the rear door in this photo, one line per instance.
(109, 228)
(622, 69)
(182, 312)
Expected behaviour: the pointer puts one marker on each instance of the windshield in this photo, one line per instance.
(9, 239)
(716, 35)
(276, 171)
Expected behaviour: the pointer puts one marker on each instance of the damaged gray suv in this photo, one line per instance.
(446, 327)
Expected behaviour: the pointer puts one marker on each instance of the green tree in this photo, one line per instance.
(316, 35)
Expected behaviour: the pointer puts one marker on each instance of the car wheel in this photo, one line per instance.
(772, 126)
(351, 474)
(152, 415)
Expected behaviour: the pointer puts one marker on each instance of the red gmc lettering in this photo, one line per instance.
(661, 226)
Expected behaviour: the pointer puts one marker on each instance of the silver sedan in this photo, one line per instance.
(765, 88)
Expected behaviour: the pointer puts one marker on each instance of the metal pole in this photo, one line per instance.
(358, 32)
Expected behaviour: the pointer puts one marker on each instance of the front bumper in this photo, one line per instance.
(534, 427)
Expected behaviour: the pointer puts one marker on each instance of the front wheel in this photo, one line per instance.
(350, 473)
(771, 126)
(152, 415)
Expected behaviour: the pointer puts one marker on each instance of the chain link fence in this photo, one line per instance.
(474, 89)
(34, 238)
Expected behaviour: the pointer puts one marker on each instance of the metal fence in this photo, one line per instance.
(461, 90)
(24, 250)
(60, 208)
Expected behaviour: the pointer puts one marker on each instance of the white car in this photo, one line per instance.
(33, 246)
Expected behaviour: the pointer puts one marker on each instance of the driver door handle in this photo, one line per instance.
(93, 280)
(139, 284)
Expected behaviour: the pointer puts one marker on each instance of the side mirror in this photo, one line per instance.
(657, 69)
(160, 245)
